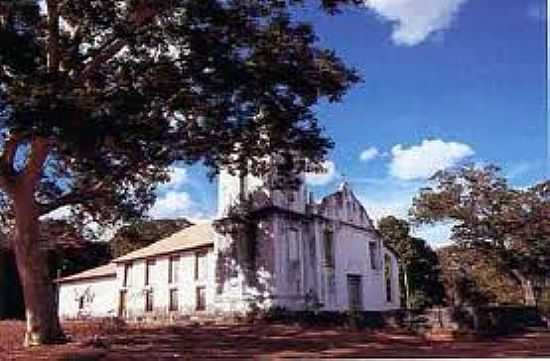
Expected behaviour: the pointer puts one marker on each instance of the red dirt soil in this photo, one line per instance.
(108, 341)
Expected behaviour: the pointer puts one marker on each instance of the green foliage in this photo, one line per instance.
(510, 227)
(111, 93)
(471, 278)
(98, 98)
(418, 263)
(67, 253)
(142, 233)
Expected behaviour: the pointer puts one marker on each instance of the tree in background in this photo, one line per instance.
(419, 264)
(67, 252)
(142, 233)
(509, 227)
(98, 98)
(473, 280)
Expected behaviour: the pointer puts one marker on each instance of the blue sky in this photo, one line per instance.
(445, 82)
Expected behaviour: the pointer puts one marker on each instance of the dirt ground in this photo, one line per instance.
(114, 342)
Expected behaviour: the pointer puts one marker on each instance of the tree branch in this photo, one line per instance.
(40, 149)
(143, 15)
(53, 35)
(7, 160)
(72, 198)
(10, 149)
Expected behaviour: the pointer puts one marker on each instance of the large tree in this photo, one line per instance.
(510, 227)
(98, 98)
(419, 264)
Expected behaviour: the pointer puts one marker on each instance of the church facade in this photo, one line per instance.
(290, 252)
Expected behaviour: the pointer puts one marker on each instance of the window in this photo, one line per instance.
(201, 299)
(148, 300)
(173, 302)
(372, 255)
(388, 277)
(293, 246)
(328, 242)
(149, 264)
(173, 264)
(355, 293)
(200, 265)
(127, 274)
(122, 303)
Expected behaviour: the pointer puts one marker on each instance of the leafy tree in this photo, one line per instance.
(142, 233)
(510, 227)
(462, 266)
(67, 253)
(98, 98)
(419, 264)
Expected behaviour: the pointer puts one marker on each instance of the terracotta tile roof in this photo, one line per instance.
(107, 270)
(191, 237)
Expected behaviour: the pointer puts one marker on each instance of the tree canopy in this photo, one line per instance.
(98, 98)
(508, 225)
(418, 262)
(117, 90)
(142, 233)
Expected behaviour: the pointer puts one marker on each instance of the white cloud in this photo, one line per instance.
(172, 204)
(437, 236)
(415, 20)
(178, 177)
(387, 196)
(369, 154)
(319, 179)
(173, 197)
(377, 209)
(422, 161)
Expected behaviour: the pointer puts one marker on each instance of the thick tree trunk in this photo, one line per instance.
(31, 256)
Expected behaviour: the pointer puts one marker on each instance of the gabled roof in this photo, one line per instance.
(108, 270)
(195, 236)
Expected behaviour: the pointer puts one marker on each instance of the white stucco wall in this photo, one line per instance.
(288, 264)
(352, 231)
(100, 298)
(186, 285)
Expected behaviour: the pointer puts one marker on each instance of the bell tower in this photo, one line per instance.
(232, 188)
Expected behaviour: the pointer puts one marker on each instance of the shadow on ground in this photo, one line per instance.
(278, 341)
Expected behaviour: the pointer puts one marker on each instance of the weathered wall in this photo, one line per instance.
(310, 276)
(279, 263)
(186, 285)
(244, 267)
(230, 187)
(99, 298)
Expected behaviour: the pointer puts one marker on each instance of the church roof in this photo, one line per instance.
(107, 270)
(195, 236)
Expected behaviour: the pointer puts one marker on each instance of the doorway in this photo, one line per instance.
(122, 304)
(355, 292)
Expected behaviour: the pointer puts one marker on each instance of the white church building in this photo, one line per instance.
(296, 254)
